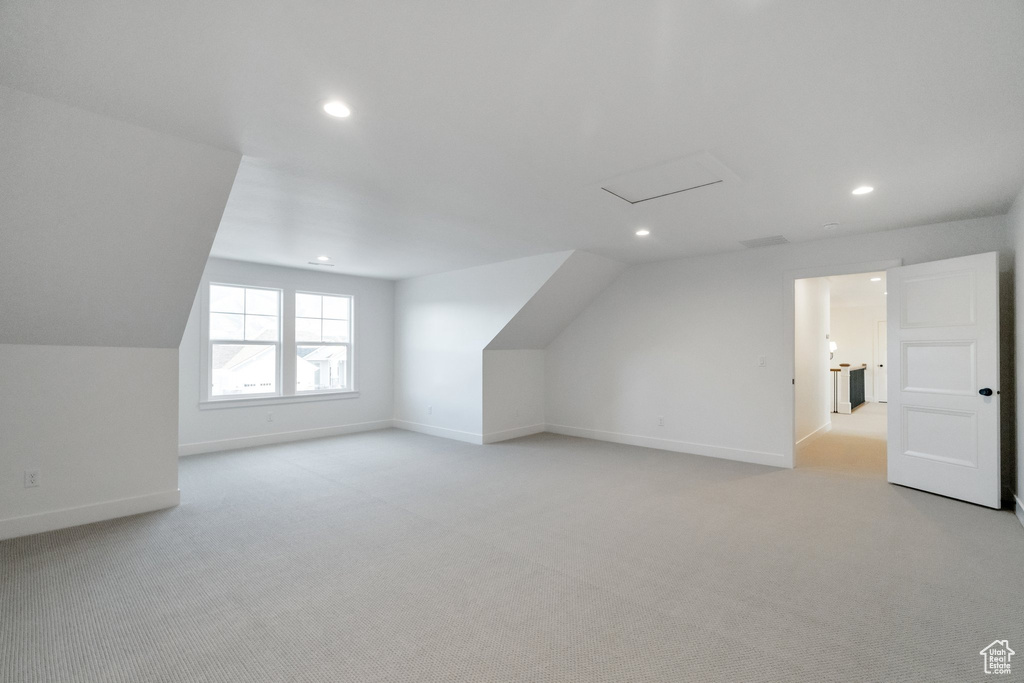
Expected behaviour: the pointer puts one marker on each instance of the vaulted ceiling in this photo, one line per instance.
(483, 131)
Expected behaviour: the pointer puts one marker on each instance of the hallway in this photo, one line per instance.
(854, 445)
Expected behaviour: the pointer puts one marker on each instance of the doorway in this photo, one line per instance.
(840, 381)
(942, 373)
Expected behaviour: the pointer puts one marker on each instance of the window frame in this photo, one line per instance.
(287, 347)
(210, 341)
(350, 344)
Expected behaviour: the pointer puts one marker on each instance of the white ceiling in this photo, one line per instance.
(482, 131)
(857, 290)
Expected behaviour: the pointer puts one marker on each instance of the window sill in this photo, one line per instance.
(218, 403)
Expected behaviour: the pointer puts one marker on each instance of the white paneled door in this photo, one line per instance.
(943, 320)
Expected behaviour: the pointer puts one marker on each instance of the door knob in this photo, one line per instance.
(985, 392)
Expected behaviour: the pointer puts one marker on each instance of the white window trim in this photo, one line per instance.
(350, 365)
(276, 400)
(278, 345)
(286, 368)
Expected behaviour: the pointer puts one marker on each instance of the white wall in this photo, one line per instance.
(681, 339)
(100, 425)
(560, 299)
(813, 388)
(105, 226)
(513, 394)
(443, 323)
(218, 428)
(1016, 235)
(854, 329)
(104, 230)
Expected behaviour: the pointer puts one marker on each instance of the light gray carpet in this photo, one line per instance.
(392, 556)
(856, 444)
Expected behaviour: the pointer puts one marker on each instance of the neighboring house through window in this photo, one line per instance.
(245, 340)
(250, 336)
(323, 336)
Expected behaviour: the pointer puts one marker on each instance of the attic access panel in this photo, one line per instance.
(681, 175)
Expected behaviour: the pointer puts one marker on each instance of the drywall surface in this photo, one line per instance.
(557, 303)
(106, 226)
(209, 426)
(98, 423)
(680, 339)
(1016, 234)
(854, 329)
(443, 322)
(813, 388)
(513, 394)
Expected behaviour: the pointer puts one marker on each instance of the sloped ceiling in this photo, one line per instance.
(104, 226)
(483, 131)
(442, 324)
(466, 308)
(558, 302)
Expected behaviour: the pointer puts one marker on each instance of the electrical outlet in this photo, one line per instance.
(31, 478)
(661, 421)
(761, 361)
(270, 417)
(430, 410)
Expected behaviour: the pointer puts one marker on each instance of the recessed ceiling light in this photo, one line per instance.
(876, 279)
(864, 189)
(323, 258)
(830, 226)
(643, 232)
(337, 109)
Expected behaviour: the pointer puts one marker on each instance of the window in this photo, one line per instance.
(273, 344)
(245, 340)
(323, 342)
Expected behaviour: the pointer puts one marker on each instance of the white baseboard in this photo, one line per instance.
(87, 514)
(468, 437)
(505, 435)
(1019, 509)
(279, 437)
(823, 429)
(757, 457)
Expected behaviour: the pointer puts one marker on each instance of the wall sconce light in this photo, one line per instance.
(832, 347)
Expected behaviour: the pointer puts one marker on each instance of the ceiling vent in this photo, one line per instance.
(764, 242)
(664, 180)
(322, 265)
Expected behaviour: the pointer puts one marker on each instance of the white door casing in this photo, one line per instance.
(943, 349)
(881, 365)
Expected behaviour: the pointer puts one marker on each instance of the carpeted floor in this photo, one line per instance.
(392, 556)
(855, 444)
